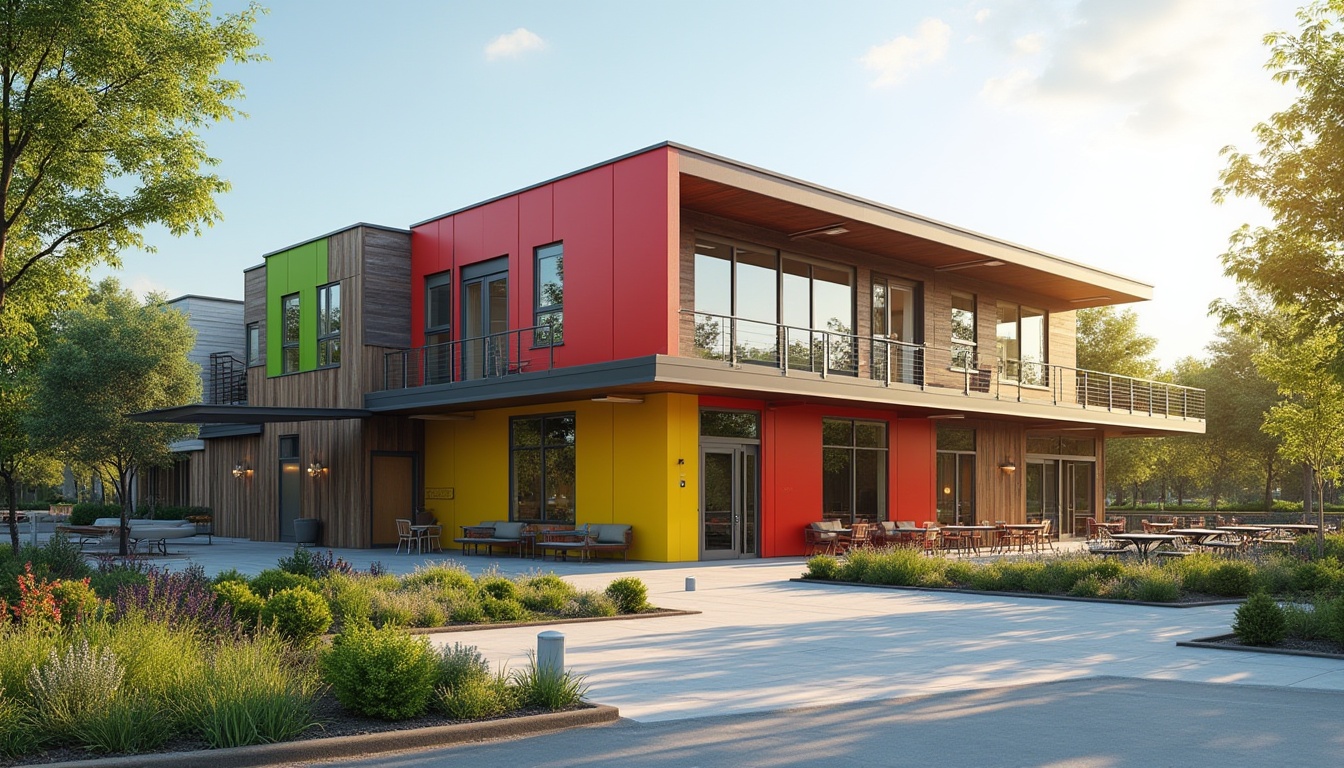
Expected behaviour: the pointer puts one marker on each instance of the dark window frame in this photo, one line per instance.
(290, 342)
(252, 344)
(853, 448)
(328, 340)
(541, 449)
(549, 318)
(1015, 370)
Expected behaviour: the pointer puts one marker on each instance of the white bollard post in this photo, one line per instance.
(690, 583)
(32, 521)
(551, 652)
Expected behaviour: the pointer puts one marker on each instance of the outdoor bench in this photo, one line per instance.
(587, 541)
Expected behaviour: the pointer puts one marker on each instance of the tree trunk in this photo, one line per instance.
(1307, 487)
(1320, 512)
(1269, 484)
(11, 488)
(123, 475)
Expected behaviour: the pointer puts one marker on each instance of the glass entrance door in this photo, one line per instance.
(1077, 476)
(485, 325)
(729, 501)
(1043, 492)
(956, 488)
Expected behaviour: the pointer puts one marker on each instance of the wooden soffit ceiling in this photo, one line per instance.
(730, 190)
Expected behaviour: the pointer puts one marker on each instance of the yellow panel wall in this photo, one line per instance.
(627, 470)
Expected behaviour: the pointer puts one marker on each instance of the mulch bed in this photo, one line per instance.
(1291, 646)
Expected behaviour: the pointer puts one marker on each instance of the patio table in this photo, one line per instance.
(1144, 542)
(1022, 541)
(970, 529)
(1197, 536)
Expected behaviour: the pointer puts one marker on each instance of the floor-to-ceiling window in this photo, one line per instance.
(895, 330)
(1021, 344)
(750, 300)
(854, 470)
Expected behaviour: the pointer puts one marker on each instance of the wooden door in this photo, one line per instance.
(392, 486)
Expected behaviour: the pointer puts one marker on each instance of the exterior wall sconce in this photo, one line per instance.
(1008, 468)
(316, 470)
(241, 470)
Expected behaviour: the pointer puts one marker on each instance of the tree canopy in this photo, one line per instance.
(1297, 173)
(113, 357)
(1109, 341)
(101, 105)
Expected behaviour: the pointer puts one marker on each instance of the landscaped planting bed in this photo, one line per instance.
(128, 659)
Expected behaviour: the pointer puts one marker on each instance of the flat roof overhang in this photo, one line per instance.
(656, 374)
(728, 189)
(245, 414)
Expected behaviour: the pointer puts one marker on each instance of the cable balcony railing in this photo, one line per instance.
(963, 366)
(482, 357)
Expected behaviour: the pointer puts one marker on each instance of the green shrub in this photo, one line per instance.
(1334, 618)
(159, 658)
(392, 609)
(85, 513)
(474, 699)
(245, 603)
(546, 594)
(1308, 622)
(467, 612)
(548, 688)
(466, 690)
(498, 587)
(106, 583)
(442, 576)
(507, 609)
(822, 568)
(273, 580)
(1318, 576)
(1232, 578)
(302, 563)
(589, 603)
(299, 614)
(59, 558)
(1156, 585)
(1259, 621)
(77, 600)
(629, 594)
(1091, 585)
(350, 597)
(857, 564)
(232, 574)
(382, 672)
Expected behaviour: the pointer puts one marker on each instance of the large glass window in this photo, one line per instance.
(253, 344)
(963, 330)
(895, 356)
(329, 325)
(550, 298)
(1021, 344)
(956, 476)
(541, 464)
(438, 328)
(734, 424)
(289, 333)
(854, 470)
(745, 292)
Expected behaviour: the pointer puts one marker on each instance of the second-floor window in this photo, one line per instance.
(329, 325)
(253, 344)
(289, 333)
(1021, 344)
(963, 330)
(550, 298)
(438, 328)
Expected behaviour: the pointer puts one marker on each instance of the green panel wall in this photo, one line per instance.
(299, 270)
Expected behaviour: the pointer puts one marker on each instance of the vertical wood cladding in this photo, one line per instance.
(373, 267)
(254, 307)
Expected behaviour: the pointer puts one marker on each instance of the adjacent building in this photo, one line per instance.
(713, 353)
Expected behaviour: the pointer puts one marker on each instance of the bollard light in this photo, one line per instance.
(551, 652)
(690, 583)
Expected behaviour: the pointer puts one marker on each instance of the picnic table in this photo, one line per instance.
(1143, 542)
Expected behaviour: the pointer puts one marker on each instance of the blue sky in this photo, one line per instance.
(1089, 129)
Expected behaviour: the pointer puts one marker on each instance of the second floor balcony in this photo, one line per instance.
(821, 360)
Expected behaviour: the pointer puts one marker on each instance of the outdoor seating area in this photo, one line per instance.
(831, 537)
(1167, 539)
(588, 541)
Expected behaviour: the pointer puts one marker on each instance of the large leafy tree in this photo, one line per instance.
(1297, 173)
(1109, 340)
(111, 358)
(101, 105)
(1310, 419)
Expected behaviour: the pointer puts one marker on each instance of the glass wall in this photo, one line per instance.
(541, 465)
(1021, 344)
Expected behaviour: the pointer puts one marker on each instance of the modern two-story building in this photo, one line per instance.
(713, 353)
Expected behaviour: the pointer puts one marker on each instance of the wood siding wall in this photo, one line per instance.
(254, 309)
(373, 267)
(1000, 496)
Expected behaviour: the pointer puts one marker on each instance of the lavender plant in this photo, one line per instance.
(184, 598)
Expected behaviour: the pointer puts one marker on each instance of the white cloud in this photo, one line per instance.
(514, 44)
(982, 15)
(895, 59)
(1029, 45)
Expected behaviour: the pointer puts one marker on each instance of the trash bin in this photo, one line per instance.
(307, 530)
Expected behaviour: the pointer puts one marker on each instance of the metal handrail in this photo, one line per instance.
(742, 341)
(518, 350)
